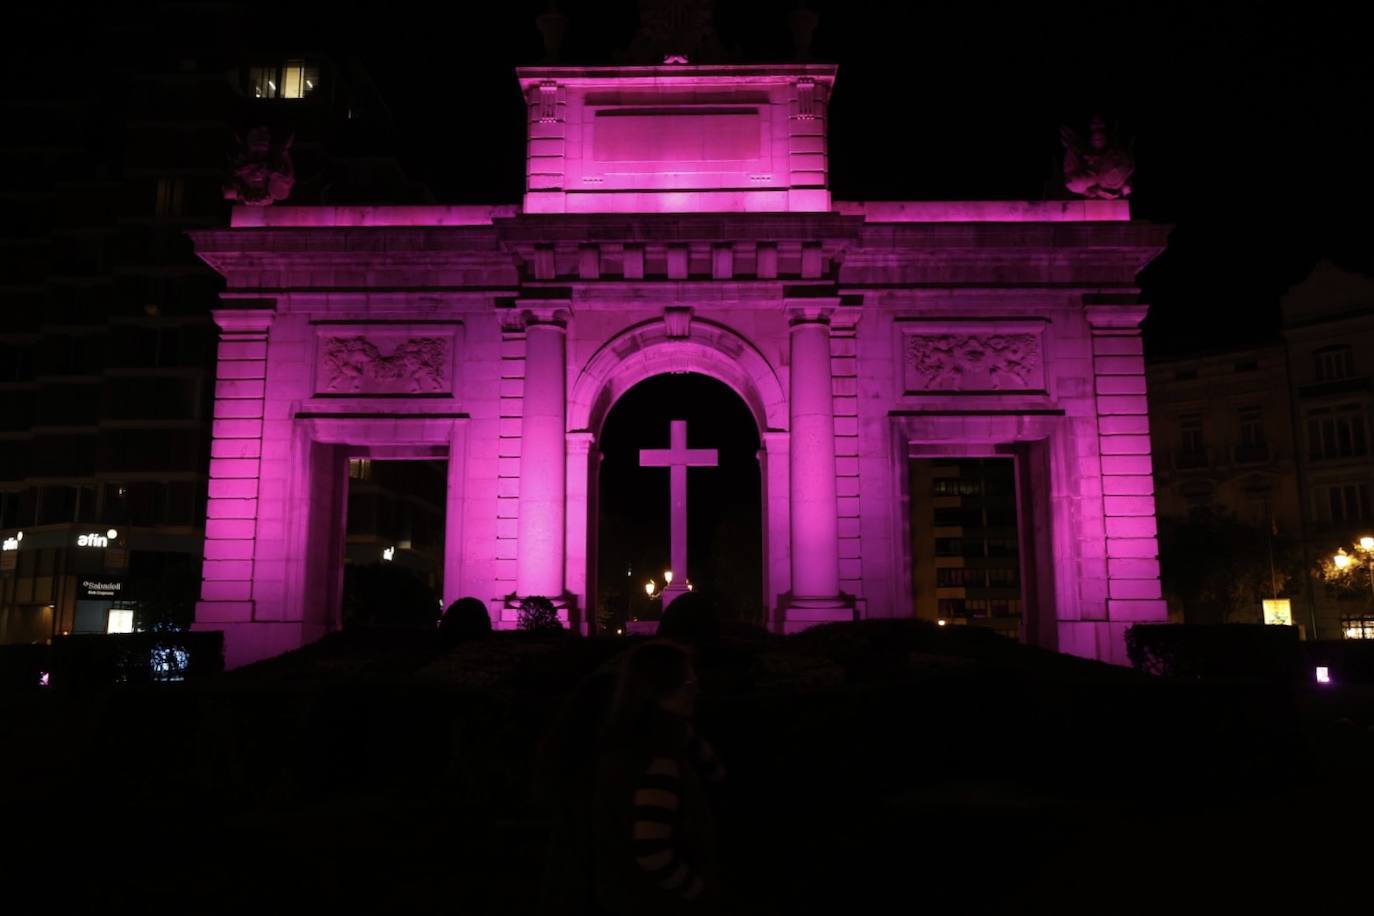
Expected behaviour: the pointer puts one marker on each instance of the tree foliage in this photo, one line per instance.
(1218, 568)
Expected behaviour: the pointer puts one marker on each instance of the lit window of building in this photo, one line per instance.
(294, 79)
(1358, 627)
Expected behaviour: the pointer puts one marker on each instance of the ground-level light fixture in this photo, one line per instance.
(1323, 674)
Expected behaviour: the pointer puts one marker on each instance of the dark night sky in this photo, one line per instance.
(1251, 120)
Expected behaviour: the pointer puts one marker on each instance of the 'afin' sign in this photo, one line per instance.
(97, 540)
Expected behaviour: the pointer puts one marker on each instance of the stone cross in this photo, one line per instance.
(677, 458)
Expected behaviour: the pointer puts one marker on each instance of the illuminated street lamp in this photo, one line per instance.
(649, 588)
(1365, 548)
(667, 577)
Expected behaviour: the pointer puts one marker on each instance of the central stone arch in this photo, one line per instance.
(675, 343)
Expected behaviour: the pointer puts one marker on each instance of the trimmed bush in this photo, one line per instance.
(1215, 650)
(466, 618)
(538, 615)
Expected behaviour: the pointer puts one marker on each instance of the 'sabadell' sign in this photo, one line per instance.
(101, 588)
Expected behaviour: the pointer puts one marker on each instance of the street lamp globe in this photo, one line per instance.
(668, 577)
(649, 588)
(1341, 559)
(1367, 543)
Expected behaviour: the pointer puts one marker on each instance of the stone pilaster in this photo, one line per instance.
(1128, 503)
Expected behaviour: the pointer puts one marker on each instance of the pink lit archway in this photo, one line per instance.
(659, 348)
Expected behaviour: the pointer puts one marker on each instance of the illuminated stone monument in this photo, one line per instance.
(678, 218)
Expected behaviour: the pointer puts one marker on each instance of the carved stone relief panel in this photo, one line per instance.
(362, 361)
(972, 357)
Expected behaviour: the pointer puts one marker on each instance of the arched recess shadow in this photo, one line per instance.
(646, 350)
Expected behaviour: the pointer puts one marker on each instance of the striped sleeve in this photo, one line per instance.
(656, 801)
(705, 758)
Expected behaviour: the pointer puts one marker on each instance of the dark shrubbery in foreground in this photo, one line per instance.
(385, 770)
(23, 666)
(133, 659)
(1348, 661)
(387, 595)
(1216, 651)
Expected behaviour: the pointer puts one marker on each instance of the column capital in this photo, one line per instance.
(518, 315)
(579, 442)
(775, 441)
(1114, 314)
(243, 320)
(817, 310)
(545, 312)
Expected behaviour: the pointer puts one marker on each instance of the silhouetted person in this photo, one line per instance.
(653, 843)
(691, 618)
(564, 779)
(466, 618)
